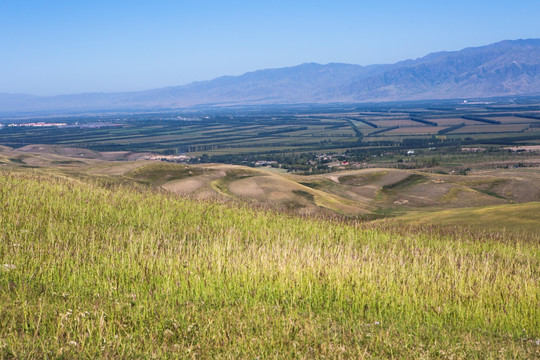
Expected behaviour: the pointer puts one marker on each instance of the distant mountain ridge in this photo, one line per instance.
(506, 68)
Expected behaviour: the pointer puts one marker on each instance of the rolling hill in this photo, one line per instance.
(91, 268)
(421, 196)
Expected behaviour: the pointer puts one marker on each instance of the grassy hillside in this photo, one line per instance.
(365, 193)
(122, 272)
(515, 217)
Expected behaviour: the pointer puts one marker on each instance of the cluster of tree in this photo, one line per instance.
(298, 162)
(528, 116)
(282, 130)
(423, 121)
(367, 122)
(383, 130)
(480, 119)
(450, 129)
(356, 130)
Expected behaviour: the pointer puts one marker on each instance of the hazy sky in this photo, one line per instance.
(52, 47)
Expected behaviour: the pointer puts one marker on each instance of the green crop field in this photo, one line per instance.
(90, 269)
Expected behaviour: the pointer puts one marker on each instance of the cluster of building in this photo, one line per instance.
(169, 158)
(265, 163)
(37, 124)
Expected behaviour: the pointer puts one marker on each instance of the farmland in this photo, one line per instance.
(229, 135)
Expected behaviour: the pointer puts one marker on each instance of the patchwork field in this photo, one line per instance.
(287, 129)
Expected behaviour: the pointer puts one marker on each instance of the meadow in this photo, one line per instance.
(95, 268)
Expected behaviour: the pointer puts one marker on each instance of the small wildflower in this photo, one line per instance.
(537, 342)
(9, 267)
(72, 343)
(376, 323)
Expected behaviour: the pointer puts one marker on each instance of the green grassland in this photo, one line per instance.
(516, 217)
(90, 270)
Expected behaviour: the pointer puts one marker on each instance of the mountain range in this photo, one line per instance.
(506, 68)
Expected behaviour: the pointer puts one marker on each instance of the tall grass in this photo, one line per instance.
(120, 272)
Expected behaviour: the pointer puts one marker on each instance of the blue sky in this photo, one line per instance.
(61, 47)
